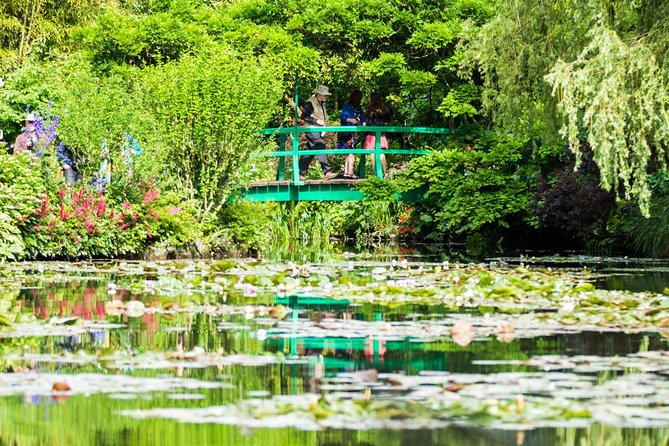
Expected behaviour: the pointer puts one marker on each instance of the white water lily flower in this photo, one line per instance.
(135, 308)
(406, 283)
(568, 306)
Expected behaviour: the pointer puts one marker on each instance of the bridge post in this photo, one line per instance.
(361, 167)
(294, 136)
(281, 170)
(378, 168)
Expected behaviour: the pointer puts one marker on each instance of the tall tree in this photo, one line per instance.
(590, 70)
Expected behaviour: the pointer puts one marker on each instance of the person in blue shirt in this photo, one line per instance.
(351, 115)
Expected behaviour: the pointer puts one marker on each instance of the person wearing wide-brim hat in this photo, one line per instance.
(26, 140)
(314, 114)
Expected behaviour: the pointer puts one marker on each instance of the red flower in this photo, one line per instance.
(150, 196)
(101, 207)
(44, 208)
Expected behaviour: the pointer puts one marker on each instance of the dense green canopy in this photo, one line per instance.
(592, 71)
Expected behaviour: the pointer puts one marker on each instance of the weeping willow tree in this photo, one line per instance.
(586, 71)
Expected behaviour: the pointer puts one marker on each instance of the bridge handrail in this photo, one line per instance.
(293, 133)
(355, 129)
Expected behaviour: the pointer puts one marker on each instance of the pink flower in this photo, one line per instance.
(101, 207)
(150, 196)
(174, 211)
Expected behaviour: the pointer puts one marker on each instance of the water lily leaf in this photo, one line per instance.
(4, 321)
(485, 309)
(222, 266)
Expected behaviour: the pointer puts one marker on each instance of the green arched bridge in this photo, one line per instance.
(291, 188)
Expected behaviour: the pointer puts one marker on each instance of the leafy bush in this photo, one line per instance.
(120, 38)
(246, 227)
(81, 224)
(22, 190)
(209, 109)
(564, 194)
(647, 236)
(11, 244)
(474, 187)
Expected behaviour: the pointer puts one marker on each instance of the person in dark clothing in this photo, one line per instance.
(314, 114)
(351, 115)
(26, 140)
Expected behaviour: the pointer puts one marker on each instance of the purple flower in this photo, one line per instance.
(99, 183)
(63, 154)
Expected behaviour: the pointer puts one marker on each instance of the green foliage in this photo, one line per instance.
(459, 101)
(311, 221)
(21, 185)
(100, 111)
(596, 71)
(118, 38)
(648, 236)
(208, 109)
(178, 222)
(245, 227)
(364, 220)
(616, 92)
(376, 189)
(436, 35)
(475, 187)
(11, 244)
(33, 27)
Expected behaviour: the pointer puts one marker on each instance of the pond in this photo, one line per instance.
(387, 349)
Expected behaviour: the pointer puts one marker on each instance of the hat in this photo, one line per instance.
(322, 90)
(30, 117)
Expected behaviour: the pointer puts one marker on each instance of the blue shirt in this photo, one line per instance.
(351, 111)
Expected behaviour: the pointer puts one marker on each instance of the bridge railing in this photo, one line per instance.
(293, 133)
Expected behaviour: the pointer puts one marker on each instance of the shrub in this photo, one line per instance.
(22, 190)
(563, 196)
(474, 187)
